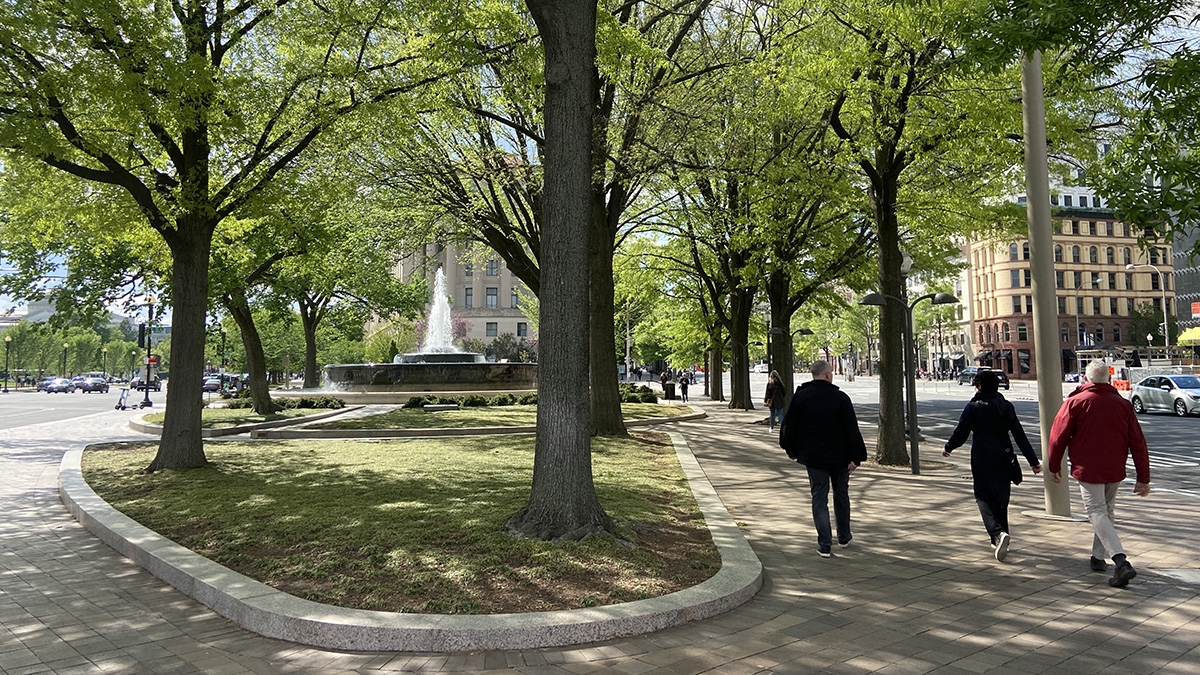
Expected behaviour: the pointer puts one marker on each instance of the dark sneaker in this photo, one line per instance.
(1098, 565)
(846, 543)
(1122, 575)
(1002, 546)
(825, 554)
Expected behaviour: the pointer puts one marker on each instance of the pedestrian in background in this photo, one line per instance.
(773, 399)
(990, 419)
(821, 432)
(684, 380)
(1098, 430)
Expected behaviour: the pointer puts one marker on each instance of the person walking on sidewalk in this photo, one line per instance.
(989, 419)
(774, 397)
(1097, 429)
(683, 386)
(821, 432)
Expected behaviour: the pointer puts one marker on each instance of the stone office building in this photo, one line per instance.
(1096, 292)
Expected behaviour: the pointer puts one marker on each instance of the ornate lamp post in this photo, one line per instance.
(64, 363)
(878, 299)
(104, 362)
(7, 344)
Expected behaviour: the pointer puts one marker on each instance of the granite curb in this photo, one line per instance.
(434, 432)
(138, 424)
(264, 610)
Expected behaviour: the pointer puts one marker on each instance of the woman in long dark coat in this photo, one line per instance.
(989, 418)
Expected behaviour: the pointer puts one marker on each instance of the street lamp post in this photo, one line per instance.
(1162, 284)
(64, 363)
(149, 343)
(879, 299)
(7, 344)
(104, 362)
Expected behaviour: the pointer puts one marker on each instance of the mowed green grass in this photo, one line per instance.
(483, 416)
(215, 418)
(416, 525)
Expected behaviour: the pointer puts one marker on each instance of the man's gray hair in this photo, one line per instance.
(1097, 371)
(819, 368)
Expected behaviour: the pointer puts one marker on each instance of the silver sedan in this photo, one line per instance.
(1176, 393)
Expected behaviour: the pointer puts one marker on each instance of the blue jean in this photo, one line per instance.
(776, 414)
(819, 481)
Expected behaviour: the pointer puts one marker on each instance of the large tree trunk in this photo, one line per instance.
(741, 301)
(310, 318)
(781, 352)
(715, 377)
(562, 501)
(606, 394)
(256, 362)
(891, 448)
(181, 446)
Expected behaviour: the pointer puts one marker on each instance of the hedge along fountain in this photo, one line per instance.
(439, 367)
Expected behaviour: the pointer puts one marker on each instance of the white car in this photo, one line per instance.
(1179, 394)
(761, 368)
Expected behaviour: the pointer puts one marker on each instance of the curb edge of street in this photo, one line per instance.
(272, 613)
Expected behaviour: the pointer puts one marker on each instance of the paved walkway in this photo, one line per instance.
(916, 592)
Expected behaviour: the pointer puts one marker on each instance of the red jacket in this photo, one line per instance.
(1097, 425)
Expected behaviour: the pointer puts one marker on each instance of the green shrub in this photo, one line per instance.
(648, 397)
(528, 398)
(236, 403)
(502, 400)
(448, 400)
(416, 401)
(474, 401)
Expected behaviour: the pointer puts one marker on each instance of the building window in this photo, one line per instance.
(1154, 282)
(1054, 199)
(1028, 279)
(1096, 306)
(1110, 255)
(1096, 280)
(1166, 282)
(1067, 200)
(493, 268)
(1065, 333)
(1058, 253)
(1007, 333)
(1109, 228)
(1082, 334)
(469, 298)
(522, 329)
(1092, 228)
(1099, 333)
(1153, 256)
(1093, 255)
(1022, 332)
(513, 300)
(1075, 254)
(1082, 200)
(1112, 281)
(1062, 305)
(1129, 306)
(1078, 280)
(1012, 252)
(493, 296)
(1125, 229)
(981, 335)
(1078, 305)
(1025, 251)
(1058, 279)
(1016, 304)
(468, 269)
(1128, 256)
(1128, 281)
(1016, 278)
(490, 329)
(1116, 332)
(1112, 306)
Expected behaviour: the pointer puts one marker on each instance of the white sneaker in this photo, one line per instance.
(1002, 546)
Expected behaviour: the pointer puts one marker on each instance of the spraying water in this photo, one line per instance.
(439, 335)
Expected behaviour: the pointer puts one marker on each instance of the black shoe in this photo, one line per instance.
(846, 543)
(1098, 565)
(825, 553)
(1122, 575)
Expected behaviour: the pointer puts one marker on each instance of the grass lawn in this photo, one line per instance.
(416, 525)
(216, 418)
(485, 416)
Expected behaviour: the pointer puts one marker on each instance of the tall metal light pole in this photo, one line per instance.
(7, 344)
(1162, 285)
(104, 362)
(879, 299)
(149, 343)
(64, 363)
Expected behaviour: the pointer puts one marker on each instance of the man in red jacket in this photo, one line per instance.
(1097, 429)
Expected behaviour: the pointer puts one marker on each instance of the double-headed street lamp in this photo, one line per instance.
(1162, 284)
(880, 299)
(7, 344)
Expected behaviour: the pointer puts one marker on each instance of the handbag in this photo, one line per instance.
(1014, 468)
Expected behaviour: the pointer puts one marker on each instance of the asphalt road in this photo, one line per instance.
(20, 408)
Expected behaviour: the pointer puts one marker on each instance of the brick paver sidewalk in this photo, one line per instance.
(916, 592)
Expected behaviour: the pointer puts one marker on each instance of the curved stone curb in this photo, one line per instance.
(437, 432)
(139, 425)
(262, 609)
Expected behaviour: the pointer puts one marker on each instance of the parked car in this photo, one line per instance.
(60, 385)
(44, 382)
(761, 368)
(94, 384)
(140, 385)
(212, 384)
(967, 376)
(78, 381)
(1179, 394)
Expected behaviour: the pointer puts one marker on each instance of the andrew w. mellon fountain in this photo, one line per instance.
(439, 367)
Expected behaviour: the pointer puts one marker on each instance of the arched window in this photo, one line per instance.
(988, 333)
(1110, 255)
(1007, 334)
(1116, 332)
(981, 335)
(1065, 334)
(1093, 254)
(1012, 252)
(1099, 333)
(1128, 255)
(1058, 253)
(1075, 254)
(1082, 339)
(1022, 332)
(1025, 251)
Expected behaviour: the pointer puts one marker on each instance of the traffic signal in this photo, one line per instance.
(141, 336)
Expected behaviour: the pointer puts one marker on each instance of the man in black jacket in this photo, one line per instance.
(821, 432)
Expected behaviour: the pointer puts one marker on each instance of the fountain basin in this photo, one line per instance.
(416, 378)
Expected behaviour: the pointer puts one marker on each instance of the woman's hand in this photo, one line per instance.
(1037, 468)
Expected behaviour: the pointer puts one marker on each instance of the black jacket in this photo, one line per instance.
(820, 430)
(990, 417)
